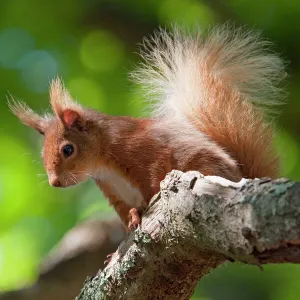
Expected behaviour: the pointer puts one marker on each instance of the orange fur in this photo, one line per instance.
(240, 128)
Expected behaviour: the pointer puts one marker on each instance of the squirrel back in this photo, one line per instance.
(222, 82)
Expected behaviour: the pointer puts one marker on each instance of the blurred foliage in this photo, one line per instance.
(92, 45)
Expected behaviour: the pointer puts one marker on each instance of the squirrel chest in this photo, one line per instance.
(115, 184)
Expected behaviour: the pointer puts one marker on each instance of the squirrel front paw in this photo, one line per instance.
(134, 218)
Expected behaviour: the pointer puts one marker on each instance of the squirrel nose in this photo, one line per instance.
(55, 182)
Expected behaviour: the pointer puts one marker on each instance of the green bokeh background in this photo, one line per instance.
(92, 45)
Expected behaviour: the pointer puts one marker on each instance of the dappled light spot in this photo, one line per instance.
(37, 68)
(101, 51)
(87, 92)
(23, 256)
(14, 180)
(14, 43)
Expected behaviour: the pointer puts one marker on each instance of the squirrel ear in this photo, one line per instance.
(27, 116)
(63, 105)
(70, 117)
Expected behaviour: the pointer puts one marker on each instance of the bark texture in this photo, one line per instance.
(194, 224)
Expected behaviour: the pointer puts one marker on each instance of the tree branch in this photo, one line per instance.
(194, 224)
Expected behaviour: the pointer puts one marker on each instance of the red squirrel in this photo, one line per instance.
(207, 91)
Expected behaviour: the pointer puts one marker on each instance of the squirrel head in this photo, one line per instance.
(69, 151)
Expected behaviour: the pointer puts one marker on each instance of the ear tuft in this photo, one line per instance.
(61, 100)
(70, 117)
(27, 116)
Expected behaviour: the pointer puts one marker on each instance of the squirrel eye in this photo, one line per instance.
(68, 150)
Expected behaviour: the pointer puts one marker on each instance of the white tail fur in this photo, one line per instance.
(212, 79)
(171, 73)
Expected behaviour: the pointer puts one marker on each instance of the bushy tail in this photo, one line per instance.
(221, 81)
